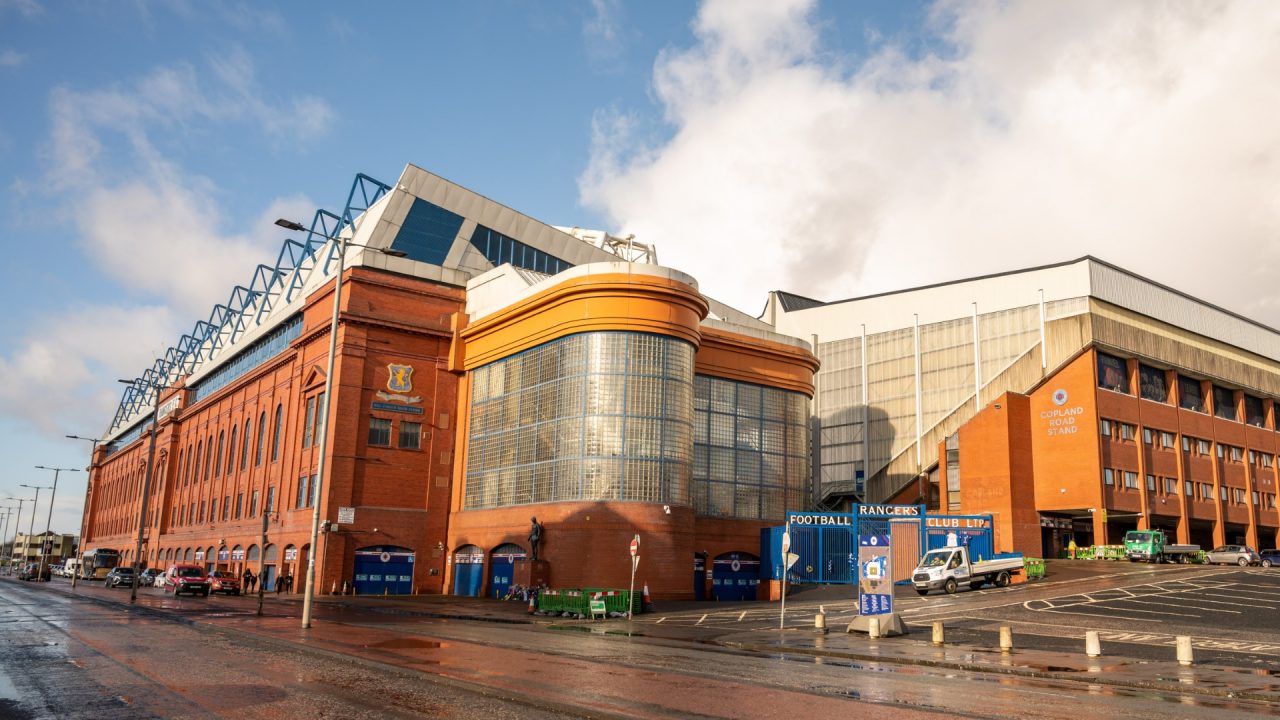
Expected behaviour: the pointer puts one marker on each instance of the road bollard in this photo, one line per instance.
(1006, 638)
(1092, 645)
(820, 622)
(873, 627)
(1184, 650)
(938, 636)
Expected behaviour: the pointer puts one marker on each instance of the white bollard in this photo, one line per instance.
(938, 633)
(1092, 645)
(820, 622)
(1185, 655)
(1006, 638)
(873, 627)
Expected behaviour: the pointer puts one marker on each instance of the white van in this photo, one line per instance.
(70, 566)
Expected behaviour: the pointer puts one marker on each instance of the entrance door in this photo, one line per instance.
(734, 576)
(502, 568)
(699, 577)
(468, 571)
(384, 570)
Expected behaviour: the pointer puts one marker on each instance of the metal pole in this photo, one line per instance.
(146, 495)
(262, 555)
(31, 525)
(316, 492)
(5, 533)
(84, 511)
(17, 528)
(48, 522)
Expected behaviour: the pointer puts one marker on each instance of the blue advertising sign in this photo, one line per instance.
(875, 577)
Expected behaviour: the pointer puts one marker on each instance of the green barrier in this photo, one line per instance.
(614, 600)
(1035, 568)
(578, 601)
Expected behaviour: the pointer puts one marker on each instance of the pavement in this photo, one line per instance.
(681, 621)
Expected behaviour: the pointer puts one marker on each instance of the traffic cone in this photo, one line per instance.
(532, 608)
(646, 603)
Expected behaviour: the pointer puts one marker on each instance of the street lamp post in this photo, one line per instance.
(146, 488)
(84, 513)
(31, 524)
(8, 513)
(316, 492)
(262, 554)
(48, 523)
(17, 526)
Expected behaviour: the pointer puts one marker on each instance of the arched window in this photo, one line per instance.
(222, 437)
(244, 446)
(275, 437)
(195, 476)
(208, 459)
(262, 437)
(231, 452)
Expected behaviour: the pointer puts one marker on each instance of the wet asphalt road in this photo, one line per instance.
(63, 657)
(73, 657)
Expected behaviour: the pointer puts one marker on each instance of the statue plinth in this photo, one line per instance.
(531, 573)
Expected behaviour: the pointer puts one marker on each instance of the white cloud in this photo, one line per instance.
(25, 8)
(602, 34)
(1142, 133)
(11, 58)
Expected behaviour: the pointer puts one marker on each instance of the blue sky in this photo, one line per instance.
(831, 149)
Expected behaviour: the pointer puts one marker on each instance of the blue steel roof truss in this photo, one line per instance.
(227, 322)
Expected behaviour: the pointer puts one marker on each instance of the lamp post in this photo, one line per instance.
(8, 512)
(31, 524)
(84, 513)
(267, 511)
(146, 487)
(48, 523)
(17, 525)
(316, 494)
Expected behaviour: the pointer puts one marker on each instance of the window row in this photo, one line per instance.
(204, 459)
(408, 437)
(231, 507)
(1153, 384)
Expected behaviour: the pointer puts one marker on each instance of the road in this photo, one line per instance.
(92, 655)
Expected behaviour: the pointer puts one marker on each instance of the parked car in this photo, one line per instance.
(180, 579)
(32, 571)
(224, 581)
(148, 577)
(121, 575)
(1241, 555)
(56, 570)
(1270, 557)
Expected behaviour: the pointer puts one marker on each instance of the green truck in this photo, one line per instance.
(1151, 546)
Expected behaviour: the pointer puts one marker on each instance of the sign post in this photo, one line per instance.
(635, 562)
(875, 586)
(786, 566)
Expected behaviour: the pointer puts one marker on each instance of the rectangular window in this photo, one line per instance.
(1222, 492)
(1190, 394)
(226, 507)
(1222, 451)
(271, 499)
(1151, 383)
(307, 427)
(1131, 480)
(1104, 427)
(1170, 486)
(1187, 488)
(1128, 432)
(201, 511)
(1253, 458)
(410, 436)
(1237, 454)
(1266, 459)
(1186, 444)
(239, 504)
(213, 509)
(1166, 439)
(1224, 404)
(1108, 476)
(1202, 447)
(1112, 374)
(380, 432)
(1255, 412)
(1151, 483)
(1271, 500)
(1239, 495)
(301, 500)
(1148, 437)
(253, 504)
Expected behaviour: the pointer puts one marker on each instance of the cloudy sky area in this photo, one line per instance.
(831, 150)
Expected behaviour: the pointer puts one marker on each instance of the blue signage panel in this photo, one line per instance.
(875, 577)
(395, 407)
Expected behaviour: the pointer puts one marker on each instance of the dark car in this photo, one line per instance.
(33, 572)
(224, 582)
(1270, 557)
(180, 579)
(120, 576)
(148, 577)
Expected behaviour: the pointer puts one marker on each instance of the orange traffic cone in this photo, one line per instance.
(646, 603)
(532, 607)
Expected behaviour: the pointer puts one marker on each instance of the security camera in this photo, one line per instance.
(666, 509)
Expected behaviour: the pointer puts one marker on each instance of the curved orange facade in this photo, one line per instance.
(753, 360)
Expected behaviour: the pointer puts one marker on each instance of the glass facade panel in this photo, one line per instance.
(498, 249)
(1224, 404)
(595, 416)
(1190, 395)
(428, 232)
(1255, 412)
(1112, 374)
(1151, 383)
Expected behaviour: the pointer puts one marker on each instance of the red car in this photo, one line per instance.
(180, 579)
(224, 582)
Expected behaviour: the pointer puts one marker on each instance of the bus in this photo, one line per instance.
(96, 563)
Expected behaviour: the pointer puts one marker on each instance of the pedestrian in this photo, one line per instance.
(279, 584)
(247, 581)
(288, 583)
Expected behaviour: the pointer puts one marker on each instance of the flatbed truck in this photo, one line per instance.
(1151, 546)
(950, 568)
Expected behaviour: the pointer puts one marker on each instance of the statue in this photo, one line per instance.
(535, 538)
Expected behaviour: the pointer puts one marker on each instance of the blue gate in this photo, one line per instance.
(971, 531)
(468, 571)
(502, 565)
(734, 576)
(384, 569)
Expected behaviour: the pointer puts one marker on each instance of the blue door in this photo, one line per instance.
(734, 576)
(502, 567)
(384, 570)
(468, 571)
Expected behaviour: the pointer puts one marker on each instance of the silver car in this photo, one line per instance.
(1241, 555)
